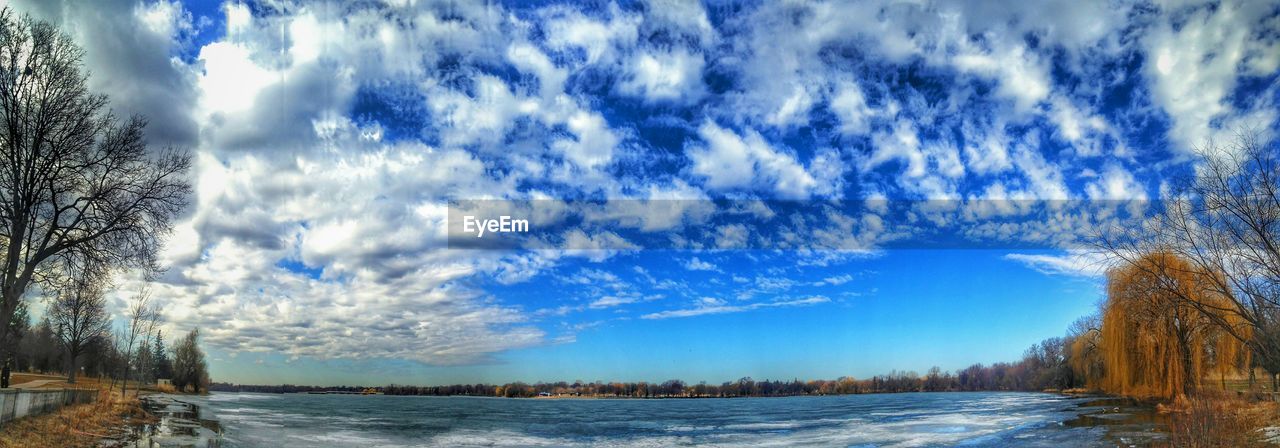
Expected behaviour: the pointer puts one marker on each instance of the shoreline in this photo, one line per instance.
(174, 421)
(1085, 394)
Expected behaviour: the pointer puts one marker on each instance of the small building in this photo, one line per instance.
(163, 382)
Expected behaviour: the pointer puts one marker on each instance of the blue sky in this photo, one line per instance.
(906, 310)
(331, 139)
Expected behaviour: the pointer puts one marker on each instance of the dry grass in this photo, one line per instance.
(82, 425)
(1221, 420)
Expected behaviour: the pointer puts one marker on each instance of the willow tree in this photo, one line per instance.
(1155, 343)
(1084, 343)
(1226, 220)
(77, 184)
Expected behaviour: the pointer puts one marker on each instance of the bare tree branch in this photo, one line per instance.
(78, 186)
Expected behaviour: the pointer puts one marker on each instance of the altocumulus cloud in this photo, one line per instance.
(329, 136)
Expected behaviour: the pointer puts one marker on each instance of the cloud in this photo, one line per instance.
(1073, 263)
(329, 141)
(622, 299)
(715, 306)
(695, 264)
(746, 162)
(1196, 54)
(132, 51)
(665, 76)
(1116, 183)
(838, 279)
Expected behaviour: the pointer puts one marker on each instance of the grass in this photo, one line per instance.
(84, 425)
(1221, 419)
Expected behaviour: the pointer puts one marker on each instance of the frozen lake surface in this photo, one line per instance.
(914, 419)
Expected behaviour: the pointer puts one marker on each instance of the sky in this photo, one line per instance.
(769, 189)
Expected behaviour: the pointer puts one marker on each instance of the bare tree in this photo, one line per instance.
(1226, 223)
(79, 315)
(189, 365)
(142, 321)
(75, 181)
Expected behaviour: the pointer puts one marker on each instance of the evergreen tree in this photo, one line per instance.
(162, 366)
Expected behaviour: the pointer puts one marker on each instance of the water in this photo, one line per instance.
(918, 419)
(176, 423)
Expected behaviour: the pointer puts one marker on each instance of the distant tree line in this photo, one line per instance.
(1043, 366)
(280, 388)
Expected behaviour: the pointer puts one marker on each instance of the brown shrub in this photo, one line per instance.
(1219, 421)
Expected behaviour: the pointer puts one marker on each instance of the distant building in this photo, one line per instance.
(163, 382)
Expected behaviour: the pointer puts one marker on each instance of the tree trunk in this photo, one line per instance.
(1189, 380)
(7, 307)
(124, 388)
(71, 373)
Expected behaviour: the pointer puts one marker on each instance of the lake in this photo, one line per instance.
(914, 419)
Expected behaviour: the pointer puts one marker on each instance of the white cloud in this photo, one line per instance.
(681, 16)
(1044, 179)
(838, 279)
(664, 76)
(1021, 76)
(1195, 56)
(594, 143)
(732, 236)
(929, 170)
(599, 39)
(611, 301)
(695, 264)
(231, 80)
(717, 306)
(732, 162)
(986, 151)
(1073, 263)
(1078, 127)
(483, 118)
(1116, 183)
(850, 105)
(528, 58)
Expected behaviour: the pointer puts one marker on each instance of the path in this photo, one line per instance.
(32, 384)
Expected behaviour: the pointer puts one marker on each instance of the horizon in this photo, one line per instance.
(332, 143)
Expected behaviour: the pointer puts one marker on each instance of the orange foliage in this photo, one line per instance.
(1162, 332)
(1085, 359)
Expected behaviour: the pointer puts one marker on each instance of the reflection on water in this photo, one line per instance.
(914, 419)
(1127, 421)
(178, 424)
